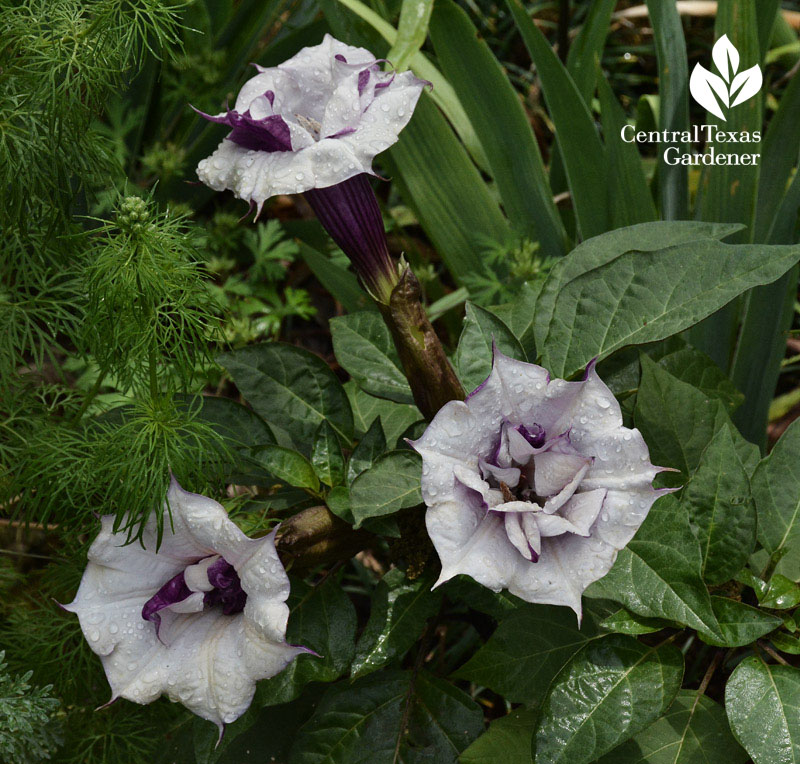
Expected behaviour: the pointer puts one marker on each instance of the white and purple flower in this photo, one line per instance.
(533, 484)
(200, 620)
(313, 125)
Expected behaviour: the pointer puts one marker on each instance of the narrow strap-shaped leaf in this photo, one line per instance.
(446, 190)
(728, 192)
(631, 201)
(502, 126)
(587, 48)
(342, 284)
(582, 150)
(412, 30)
(673, 86)
(766, 13)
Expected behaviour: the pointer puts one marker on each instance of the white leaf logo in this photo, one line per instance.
(731, 87)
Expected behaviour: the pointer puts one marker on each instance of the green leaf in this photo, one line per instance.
(678, 422)
(326, 455)
(239, 425)
(469, 592)
(612, 689)
(776, 489)
(721, 508)
(412, 30)
(289, 466)
(625, 622)
(673, 89)
(741, 624)
(440, 182)
(510, 145)
(658, 574)
(631, 200)
(763, 705)
(693, 731)
(587, 47)
(603, 250)
(519, 317)
(390, 484)
(786, 643)
(581, 149)
(323, 619)
(364, 348)
(526, 651)
(292, 389)
(389, 717)
(508, 740)
(641, 297)
(400, 609)
(482, 330)
(342, 284)
(369, 448)
(396, 418)
(695, 368)
(781, 593)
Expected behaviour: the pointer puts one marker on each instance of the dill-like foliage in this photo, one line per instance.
(28, 732)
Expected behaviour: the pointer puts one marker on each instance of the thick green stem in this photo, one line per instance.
(429, 371)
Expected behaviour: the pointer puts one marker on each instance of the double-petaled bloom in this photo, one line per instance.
(313, 125)
(200, 618)
(533, 484)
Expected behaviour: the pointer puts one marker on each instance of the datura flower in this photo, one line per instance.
(200, 619)
(533, 484)
(313, 125)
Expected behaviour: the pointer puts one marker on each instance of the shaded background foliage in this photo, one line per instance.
(122, 285)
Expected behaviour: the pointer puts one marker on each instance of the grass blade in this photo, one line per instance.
(581, 148)
(673, 86)
(510, 144)
(412, 30)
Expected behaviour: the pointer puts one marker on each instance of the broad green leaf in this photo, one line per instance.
(763, 706)
(690, 365)
(693, 731)
(603, 250)
(291, 388)
(678, 422)
(482, 330)
(364, 348)
(658, 574)
(642, 297)
(786, 643)
(390, 484)
(445, 189)
(326, 455)
(519, 317)
(507, 138)
(612, 689)
(508, 740)
(581, 148)
(673, 89)
(469, 592)
(721, 508)
(776, 489)
(369, 448)
(389, 717)
(342, 284)
(625, 622)
(239, 425)
(526, 651)
(395, 418)
(289, 466)
(741, 624)
(781, 594)
(631, 200)
(412, 31)
(323, 619)
(400, 609)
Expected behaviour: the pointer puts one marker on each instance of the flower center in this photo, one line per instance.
(210, 582)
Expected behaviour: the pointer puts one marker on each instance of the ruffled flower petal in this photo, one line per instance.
(557, 485)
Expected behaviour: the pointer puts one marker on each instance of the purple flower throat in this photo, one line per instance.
(227, 592)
